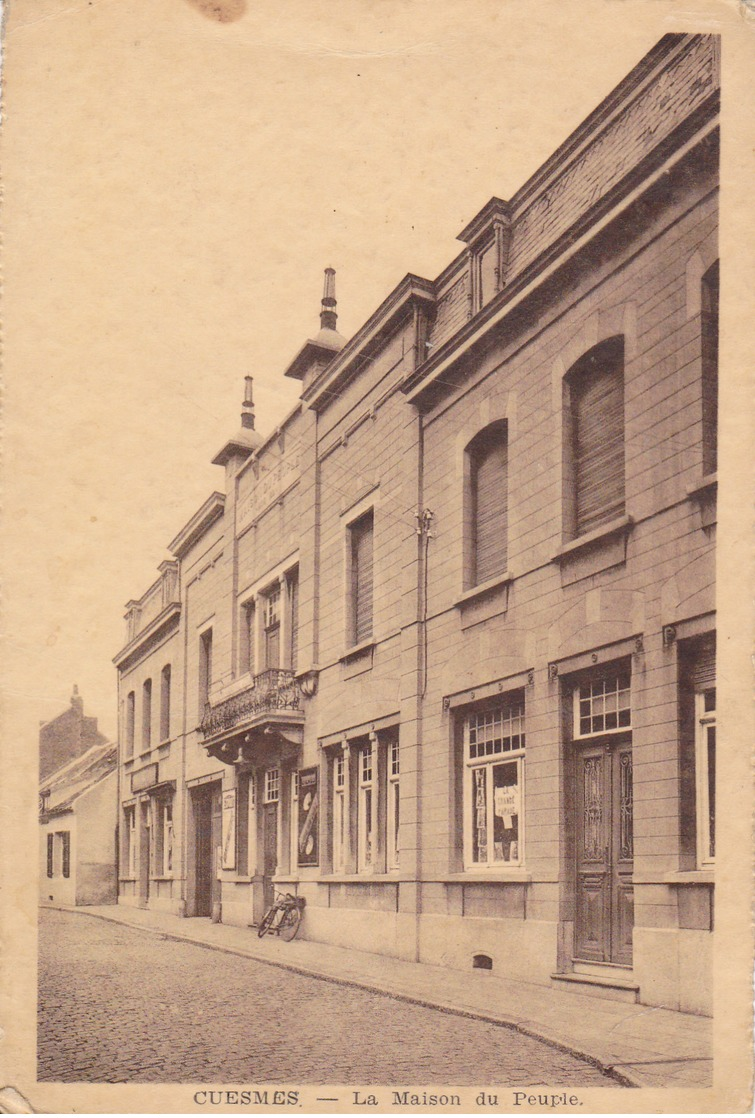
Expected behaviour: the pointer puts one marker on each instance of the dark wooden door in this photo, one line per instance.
(270, 853)
(216, 831)
(605, 916)
(203, 854)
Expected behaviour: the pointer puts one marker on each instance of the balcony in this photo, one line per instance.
(271, 704)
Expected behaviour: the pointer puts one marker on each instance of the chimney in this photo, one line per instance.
(328, 316)
(247, 415)
(77, 703)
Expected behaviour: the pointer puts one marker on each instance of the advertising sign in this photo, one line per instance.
(309, 818)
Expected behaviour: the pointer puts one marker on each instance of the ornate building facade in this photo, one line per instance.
(439, 655)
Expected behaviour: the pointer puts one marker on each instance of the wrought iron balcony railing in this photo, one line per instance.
(273, 690)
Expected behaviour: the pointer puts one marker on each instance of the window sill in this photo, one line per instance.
(704, 487)
(515, 875)
(126, 879)
(164, 744)
(163, 877)
(145, 753)
(483, 588)
(357, 650)
(600, 535)
(361, 878)
(128, 763)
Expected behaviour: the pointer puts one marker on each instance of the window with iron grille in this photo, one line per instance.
(494, 744)
(361, 579)
(596, 438)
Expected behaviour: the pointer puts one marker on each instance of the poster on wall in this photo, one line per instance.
(228, 858)
(309, 804)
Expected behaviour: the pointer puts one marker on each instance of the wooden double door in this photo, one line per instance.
(604, 853)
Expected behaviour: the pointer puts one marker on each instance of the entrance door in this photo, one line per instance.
(203, 853)
(605, 914)
(270, 862)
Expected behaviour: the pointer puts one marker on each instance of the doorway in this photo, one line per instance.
(145, 855)
(604, 854)
(207, 830)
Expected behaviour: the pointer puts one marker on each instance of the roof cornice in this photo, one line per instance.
(148, 635)
(194, 529)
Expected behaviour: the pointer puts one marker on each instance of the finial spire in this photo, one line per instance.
(328, 316)
(247, 415)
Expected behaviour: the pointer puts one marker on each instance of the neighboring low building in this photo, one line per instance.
(444, 646)
(77, 820)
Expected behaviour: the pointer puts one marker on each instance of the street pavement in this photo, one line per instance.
(118, 1004)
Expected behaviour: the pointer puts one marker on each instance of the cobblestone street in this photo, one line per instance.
(119, 1005)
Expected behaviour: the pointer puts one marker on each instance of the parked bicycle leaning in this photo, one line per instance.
(283, 917)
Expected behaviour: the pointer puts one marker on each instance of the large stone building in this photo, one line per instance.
(440, 653)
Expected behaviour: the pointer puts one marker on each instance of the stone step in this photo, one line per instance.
(597, 986)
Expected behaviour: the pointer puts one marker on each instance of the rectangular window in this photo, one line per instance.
(392, 814)
(292, 583)
(246, 638)
(130, 723)
(272, 786)
(706, 776)
(205, 669)
(603, 705)
(361, 572)
(165, 703)
(146, 715)
(272, 628)
(50, 855)
(65, 840)
(365, 810)
(596, 399)
(493, 785)
(709, 344)
(339, 819)
(488, 501)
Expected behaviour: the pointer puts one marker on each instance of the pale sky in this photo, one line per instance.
(174, 188)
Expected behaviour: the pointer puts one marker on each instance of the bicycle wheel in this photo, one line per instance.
(289, 924)
(266, 921)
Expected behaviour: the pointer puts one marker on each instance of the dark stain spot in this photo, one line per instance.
(224, 11)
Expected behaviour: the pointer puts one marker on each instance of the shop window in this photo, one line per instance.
(360, 555)
(294, 822)
(339, 811)
(165, 703)
(50, 855)
(205, 669)
(394, 804)
(709, 345)
(272, 786)
(146, 715)
(487, 505)
(706, 776)
(602, 705)
(595, 438)
(167, 839)
(65, 852)
(271, 604)
(366, 799)
(130, 723)
(130, 830)
(494, 743)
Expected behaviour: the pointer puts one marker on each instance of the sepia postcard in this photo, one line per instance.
(378, 556)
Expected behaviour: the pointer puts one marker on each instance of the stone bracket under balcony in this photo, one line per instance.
(264, 718)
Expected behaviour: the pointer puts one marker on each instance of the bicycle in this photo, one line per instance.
(283, 917)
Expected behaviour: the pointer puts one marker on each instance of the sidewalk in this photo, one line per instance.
(642, 1045)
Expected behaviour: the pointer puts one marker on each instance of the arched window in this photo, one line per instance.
(596, 438)
(487, 504)
(709, 345)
